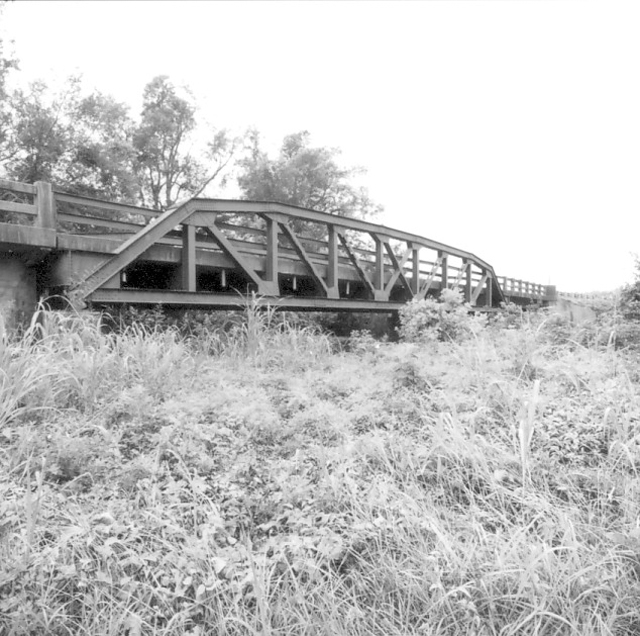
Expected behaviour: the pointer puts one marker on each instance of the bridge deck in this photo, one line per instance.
(210, 252)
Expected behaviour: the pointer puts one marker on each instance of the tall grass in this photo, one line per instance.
(251, 481)
(265, 337)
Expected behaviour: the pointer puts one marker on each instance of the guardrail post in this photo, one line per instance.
(45, 206)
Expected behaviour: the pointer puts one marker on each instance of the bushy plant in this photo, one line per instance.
(626, 313)
(509, 316)
(266, 486)
(446, 319)
(630, 293)
(362, 341)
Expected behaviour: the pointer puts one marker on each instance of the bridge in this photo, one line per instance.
(209, 253)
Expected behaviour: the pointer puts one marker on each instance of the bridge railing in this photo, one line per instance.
(523, 288)
(587, 296)
(260, 238)
(17, 200)
(27, 205)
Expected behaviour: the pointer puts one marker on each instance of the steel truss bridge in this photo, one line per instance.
(210, 253)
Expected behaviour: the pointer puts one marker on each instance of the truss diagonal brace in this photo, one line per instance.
(397, 267)
(303, 256)
(478, 289)
(268, 288)
(358, 267)
(134, 247)
(466, 265)
(422, 294)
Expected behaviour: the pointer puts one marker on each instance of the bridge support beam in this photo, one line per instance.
(271, 262)
(189, 258)
(332, 264)
(378, 279)
(415, 270)
(489, 297)
(444, 278)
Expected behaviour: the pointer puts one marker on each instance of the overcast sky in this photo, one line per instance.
(509, 128)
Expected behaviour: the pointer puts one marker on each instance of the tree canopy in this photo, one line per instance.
(303, 175)
(80, 143)
(167, 165)
(7, 64)
(90, 144)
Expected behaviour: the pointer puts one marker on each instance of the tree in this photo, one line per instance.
(102, 158)
(304, 176)
(630, 295)
(39, 133)
(82, 144)
(167, 166)
(7, 64)
(88, 144)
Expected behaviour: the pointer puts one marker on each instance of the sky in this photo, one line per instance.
(507, 128)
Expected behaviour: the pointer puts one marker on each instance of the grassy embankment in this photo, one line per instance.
(265, 483)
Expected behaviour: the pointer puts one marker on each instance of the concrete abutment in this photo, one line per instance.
(18, 288)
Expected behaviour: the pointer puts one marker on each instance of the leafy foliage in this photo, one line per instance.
(89, 144)
(165, 161)
(303, 175)
(246, 479)
(7, 64)
(80, 143)
(627, 319)
(447, 318)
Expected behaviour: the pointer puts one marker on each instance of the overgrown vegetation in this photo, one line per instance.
(478, 477)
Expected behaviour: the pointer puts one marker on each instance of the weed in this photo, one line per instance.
(241, 476)
(445, 319)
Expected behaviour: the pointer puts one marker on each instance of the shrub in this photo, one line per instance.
(509, 318)
(445, 319)
(362, 342)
